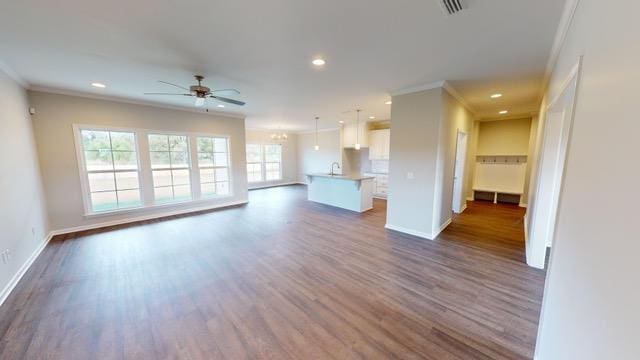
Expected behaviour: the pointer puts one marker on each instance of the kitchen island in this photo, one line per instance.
(351, 192)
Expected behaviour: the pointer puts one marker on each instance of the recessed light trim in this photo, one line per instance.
(495, 96)
(220, 105)
(341, 122)
(318, 62)
(372, 117)
(503, 112)
(388, 102)
(98, 85)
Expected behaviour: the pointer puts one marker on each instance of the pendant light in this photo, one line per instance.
(317, 147)
(357, 145)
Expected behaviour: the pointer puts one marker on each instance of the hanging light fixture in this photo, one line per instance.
(357, 145)
(279, 135)
(317, 147)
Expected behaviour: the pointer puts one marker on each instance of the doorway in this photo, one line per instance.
(553, 152)
(459, 197)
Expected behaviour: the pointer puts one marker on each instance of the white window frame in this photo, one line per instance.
(260, 163)
(189, 167)
(145, 177)
(263, 163)
(214, 167)
(84, 172)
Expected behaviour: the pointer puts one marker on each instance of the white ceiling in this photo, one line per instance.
(264, 49)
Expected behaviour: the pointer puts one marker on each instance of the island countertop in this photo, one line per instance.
(354, 177)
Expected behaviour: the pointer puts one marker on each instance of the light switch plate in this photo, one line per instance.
(410, 175)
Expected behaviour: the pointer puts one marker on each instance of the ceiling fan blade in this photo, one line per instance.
(227, 91)
(230, 101)
(178, 86)
(168, 94)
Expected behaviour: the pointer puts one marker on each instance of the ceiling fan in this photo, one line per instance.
(201, 93)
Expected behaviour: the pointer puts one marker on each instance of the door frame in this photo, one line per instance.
(537, 239)
(461, 201)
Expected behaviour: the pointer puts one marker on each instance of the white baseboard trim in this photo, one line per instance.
(23, 269)
(464, 207)
(147, 217)
(401, 229)
(442, 227)
(266, 186)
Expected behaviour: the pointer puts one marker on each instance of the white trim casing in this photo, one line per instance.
(561, 34)
(418, 88)
(23, 269)
(211, 112)
(442, 227)
(145, 171)
(148, 217)
(408, 231)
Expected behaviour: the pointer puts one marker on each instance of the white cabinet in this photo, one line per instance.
(379, 144)
(350, 136)
(380, 185)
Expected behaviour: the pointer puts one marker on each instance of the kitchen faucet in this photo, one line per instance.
(334, 163)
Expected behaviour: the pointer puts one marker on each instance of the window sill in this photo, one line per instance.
(133, 210)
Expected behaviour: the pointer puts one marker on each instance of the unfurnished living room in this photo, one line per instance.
(423, 179)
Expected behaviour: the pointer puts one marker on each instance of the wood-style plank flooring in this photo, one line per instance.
(280, 278)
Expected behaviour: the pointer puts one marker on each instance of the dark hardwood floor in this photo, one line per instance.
(280, 278)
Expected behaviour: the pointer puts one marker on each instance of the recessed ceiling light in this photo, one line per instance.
(318, 62)
(503, 112)
(372, 117)
(341, 122)
(495, 96)
(98, 85)
(388, 102)
(220, 105)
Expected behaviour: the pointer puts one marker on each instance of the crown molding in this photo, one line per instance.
(133, 102)
(558, 42)
(418, 88)
(453, 92)
(520, 116)
(302, 132)
(5, 68)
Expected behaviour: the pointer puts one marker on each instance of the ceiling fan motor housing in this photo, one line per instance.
(199, 91)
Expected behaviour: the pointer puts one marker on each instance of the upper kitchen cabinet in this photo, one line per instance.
(351, 135)
(379, 144)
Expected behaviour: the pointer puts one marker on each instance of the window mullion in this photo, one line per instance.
(113, 165)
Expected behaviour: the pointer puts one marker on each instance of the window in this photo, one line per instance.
(272, 161)
(111, 169)
(213, 163)
(170, 166)
(264, 162)
(254, 163)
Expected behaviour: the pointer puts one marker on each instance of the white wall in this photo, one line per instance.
(289, 156)
(56, 149)
(23, 219)
(590, 304)
(454, 117)
(312, 161)
(415, 132)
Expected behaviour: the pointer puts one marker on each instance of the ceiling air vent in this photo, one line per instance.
(452, 7)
